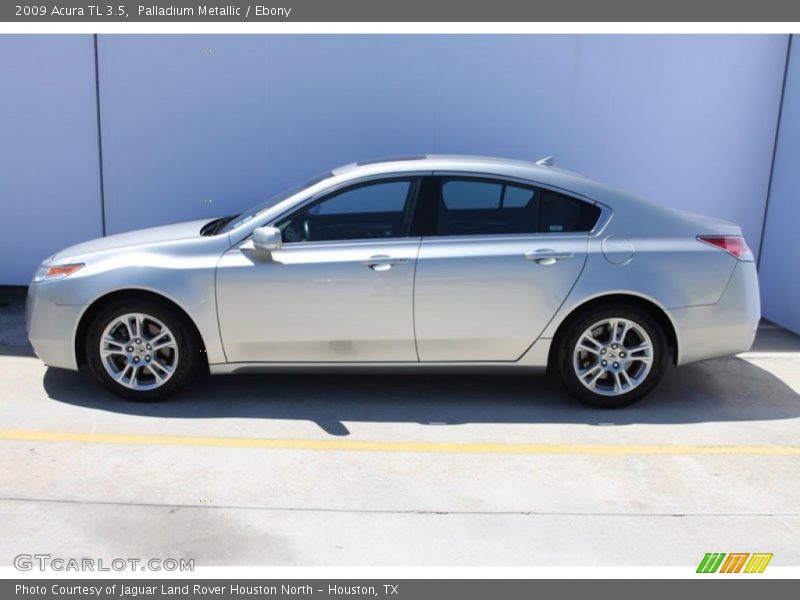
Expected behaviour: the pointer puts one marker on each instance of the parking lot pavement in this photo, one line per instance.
(402, 470)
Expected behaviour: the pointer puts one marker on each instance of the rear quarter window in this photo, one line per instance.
(558, 213)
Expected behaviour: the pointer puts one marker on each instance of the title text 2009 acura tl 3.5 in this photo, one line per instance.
(422, 262)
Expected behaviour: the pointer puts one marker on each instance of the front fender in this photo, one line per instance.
(181, 273)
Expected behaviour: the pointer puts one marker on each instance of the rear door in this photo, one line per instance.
(498, 260)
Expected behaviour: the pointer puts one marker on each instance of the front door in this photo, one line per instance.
(339, 290)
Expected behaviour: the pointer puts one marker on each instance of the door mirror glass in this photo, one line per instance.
(267, 239)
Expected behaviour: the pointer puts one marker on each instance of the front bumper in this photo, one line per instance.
(51, 327)
(722, 329)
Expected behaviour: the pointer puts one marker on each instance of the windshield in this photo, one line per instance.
(250, 213)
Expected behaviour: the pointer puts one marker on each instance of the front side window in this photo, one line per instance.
(372, 210)
(474, 207)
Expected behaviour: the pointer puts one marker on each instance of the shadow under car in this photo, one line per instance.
(728, 389)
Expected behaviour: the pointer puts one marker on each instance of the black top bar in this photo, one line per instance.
(407, 10)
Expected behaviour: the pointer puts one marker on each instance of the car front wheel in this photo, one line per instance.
(612, 356)
(141, 350)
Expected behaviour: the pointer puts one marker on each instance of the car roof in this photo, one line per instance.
(429, 161)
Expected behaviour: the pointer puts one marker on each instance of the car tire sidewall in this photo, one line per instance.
(188, 348)
(585, 320)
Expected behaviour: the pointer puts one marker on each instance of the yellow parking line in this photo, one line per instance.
(373, 446)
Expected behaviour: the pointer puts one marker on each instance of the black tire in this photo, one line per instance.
(186, 338)
(580, 323)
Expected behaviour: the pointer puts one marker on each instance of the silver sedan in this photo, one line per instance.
(421, 262)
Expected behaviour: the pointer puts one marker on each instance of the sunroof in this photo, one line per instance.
(375, 161)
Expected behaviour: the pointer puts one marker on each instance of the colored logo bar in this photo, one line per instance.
(735, 562)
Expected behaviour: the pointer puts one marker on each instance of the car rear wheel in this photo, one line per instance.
(612, 356)
(141, 350)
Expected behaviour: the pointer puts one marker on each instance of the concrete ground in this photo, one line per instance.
(402, 470)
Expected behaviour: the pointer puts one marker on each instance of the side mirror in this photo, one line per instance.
(267, 239)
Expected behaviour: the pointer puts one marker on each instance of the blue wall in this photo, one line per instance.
(687, 121)
(780, 260)
(49, 165)
(197, 126)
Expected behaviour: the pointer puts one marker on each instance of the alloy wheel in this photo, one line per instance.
(613, 356)
(139, 351)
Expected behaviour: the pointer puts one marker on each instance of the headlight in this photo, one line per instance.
(49, 272)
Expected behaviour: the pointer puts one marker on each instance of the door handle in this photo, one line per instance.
(545, 256)
(381, 262)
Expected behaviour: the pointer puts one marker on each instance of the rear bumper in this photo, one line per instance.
(51, 327)
(721, 329)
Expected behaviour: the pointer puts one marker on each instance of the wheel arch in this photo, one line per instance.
(655, 310)
(100, 303)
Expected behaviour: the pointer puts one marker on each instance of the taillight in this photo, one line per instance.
(732, 244)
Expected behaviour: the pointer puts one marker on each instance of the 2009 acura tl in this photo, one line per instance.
(419, 262)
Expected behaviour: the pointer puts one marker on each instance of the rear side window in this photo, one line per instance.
(471, 195)
(474, 207)
(517, 197)
(563, 213)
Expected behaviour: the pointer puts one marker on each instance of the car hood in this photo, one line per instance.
(152, 235)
